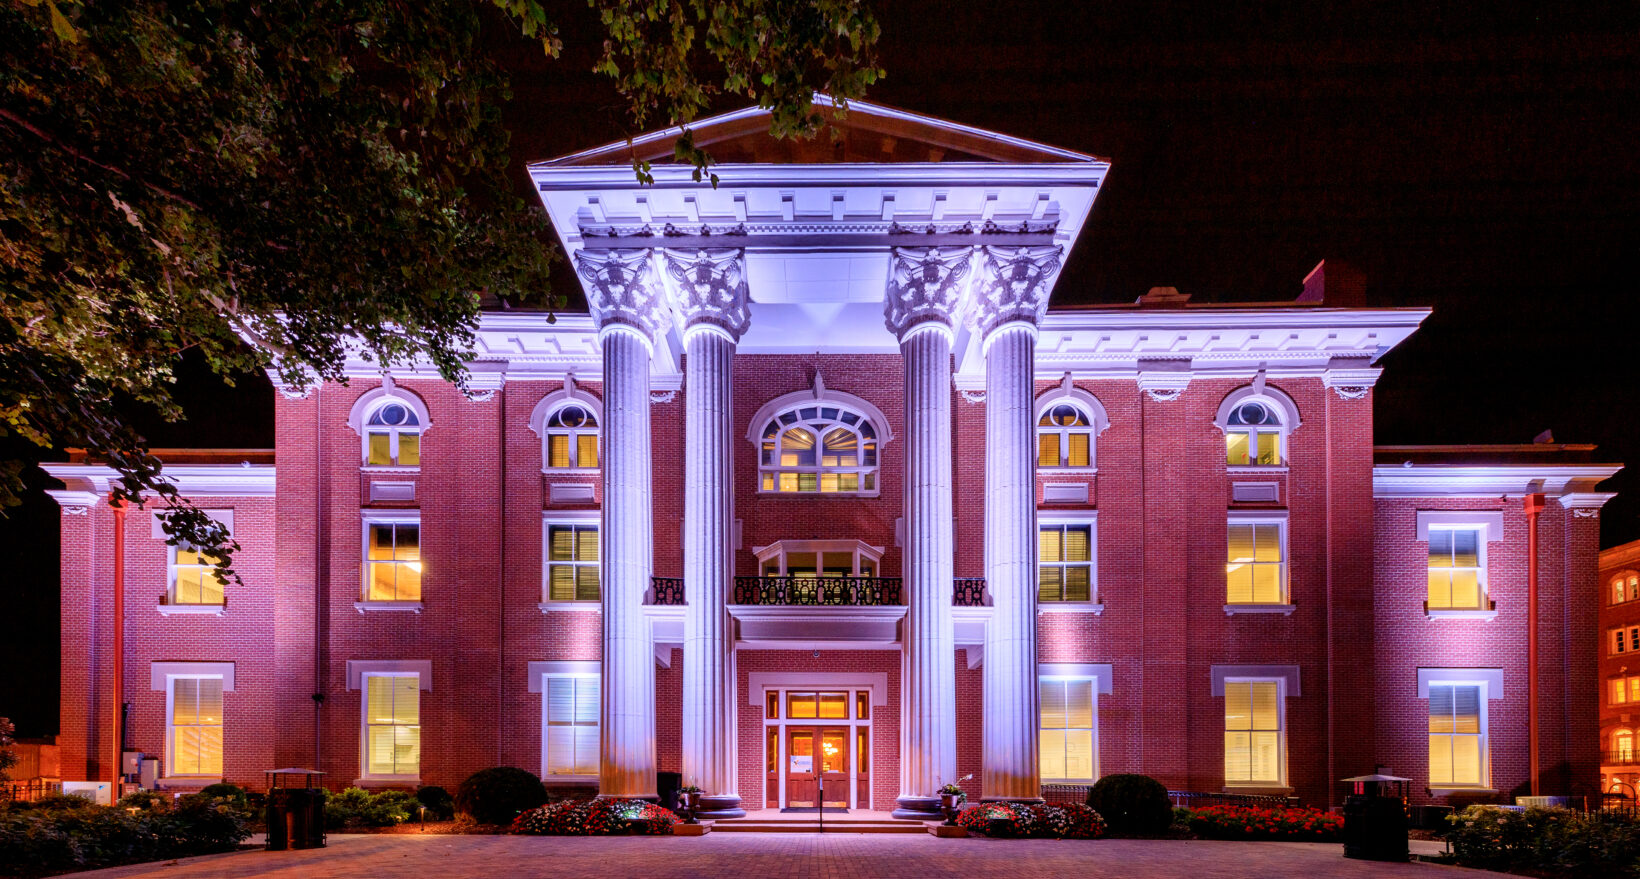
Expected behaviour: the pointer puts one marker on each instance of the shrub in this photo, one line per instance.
(437, 801)
(1290, 824)
(39, 841)
(54, 803)
(146, 799)
(1551, 841)
(595, 817)
(224, 790)
(1134, 805)
(357, 807)
(499, 795)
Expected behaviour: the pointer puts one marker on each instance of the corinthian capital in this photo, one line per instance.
(711, 288)
(1012, 285)
(622, 289)
(925, 285)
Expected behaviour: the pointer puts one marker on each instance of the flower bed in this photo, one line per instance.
(595, 818)
(1036, 821)
(1257, 822)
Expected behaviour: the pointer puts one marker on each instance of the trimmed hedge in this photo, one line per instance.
(38, 839)
(1133, 805)
(357, 807)
(499, 795)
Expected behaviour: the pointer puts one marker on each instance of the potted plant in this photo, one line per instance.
(689, 801)
(951, 797)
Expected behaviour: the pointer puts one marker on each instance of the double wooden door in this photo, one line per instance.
(817, 766)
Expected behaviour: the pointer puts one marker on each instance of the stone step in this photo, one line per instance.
(781, 825)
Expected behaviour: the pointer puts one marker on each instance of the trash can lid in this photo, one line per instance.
(1377, 778)
(293, 772)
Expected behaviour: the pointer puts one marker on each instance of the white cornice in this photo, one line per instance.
(192, 480)
(1564, 481)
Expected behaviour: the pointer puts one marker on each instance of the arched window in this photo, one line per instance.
(1625, 587)
(824, 448)
(1256, 421)
(390, 422)
(1064, 437)
(1623, 746)
(567, 421)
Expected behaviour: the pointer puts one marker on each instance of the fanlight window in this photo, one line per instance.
(1064, 437)
(571, 438)
(1252, 435)
(393, 436)
(822, 449)
(1625, 587)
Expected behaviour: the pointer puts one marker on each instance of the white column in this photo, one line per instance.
(1011, 293)
(925, 288)
(709, 293)
(624, 294)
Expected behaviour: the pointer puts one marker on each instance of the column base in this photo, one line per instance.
(720, 806)
(918, 809)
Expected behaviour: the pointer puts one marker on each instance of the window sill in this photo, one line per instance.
(570, 471)
(1066, 471)
(550, 606)
(1095, 608)
(1255, 468)
(569, 779)
(1450, 614)
(1459, 791)
(388, 781)
(189, 781)
(1283, 609)
(412, 606)
(388, 468)
(214, 610)
(1275, 790)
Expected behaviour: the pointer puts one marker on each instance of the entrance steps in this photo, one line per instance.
(770, 821)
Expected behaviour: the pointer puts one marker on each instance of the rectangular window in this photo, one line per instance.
(1256, 569)
(393, 561)
(1068, 732)
(1625, 640)
(1457, 735)
(1247, 447)
(571, 723)
(1065, 563)
(1624, 691)
(392, 725)
(1253, 733)
(194, 726)
(1457, 573)
(193, 577)
(572, 562)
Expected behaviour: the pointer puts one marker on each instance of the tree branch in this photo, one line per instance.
(46, 136)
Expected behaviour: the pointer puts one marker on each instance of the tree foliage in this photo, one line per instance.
(276, 185)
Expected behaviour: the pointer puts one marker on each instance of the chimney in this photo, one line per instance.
(1163, 297)
(1339, 285)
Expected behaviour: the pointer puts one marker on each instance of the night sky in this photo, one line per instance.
(1482, 162)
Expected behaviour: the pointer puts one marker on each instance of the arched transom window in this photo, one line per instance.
(1064, 436)
(1625, 587)
(571, 438)
(393, 435)
(822, 448)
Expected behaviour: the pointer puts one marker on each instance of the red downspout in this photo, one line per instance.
(117, 719)
(1533, 506)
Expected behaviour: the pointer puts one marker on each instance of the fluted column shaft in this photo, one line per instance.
(928, 725)
(710, 752)
(627, 710)
(1011, 760)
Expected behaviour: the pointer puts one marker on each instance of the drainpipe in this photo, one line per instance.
(1533, 506)
(117, 715)
(320, 525)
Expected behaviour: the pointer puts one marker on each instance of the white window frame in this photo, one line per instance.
(1281, 731)
(1062, 520)
(540, 674)
(1093, 692)
(1623, 640)
(170, 725)
(1279, 404)
(859, 550)
(571, 394)
(365, 724)
(1490, 525)
(818, 398)
(1485, 735)
(568, 519)
(367, 405)
(1625, 682)
(174, 568)
(1481, 559)
(389, 517)
(1089, 405)
(1280, 519)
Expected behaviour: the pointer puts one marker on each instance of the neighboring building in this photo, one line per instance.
(824, 503)
(1618, 591)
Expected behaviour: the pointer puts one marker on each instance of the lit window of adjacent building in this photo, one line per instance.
(393, 436)
(1254, 735)
(571, 724)
(393, 565)
(1069, 730)
(1457, 569)
(572, 562)
(1457, 735)
(1065, 566)
(571, 438)
(193, 732)
(823, 449)
(392, 725)
(1623, 746)
(1623, 691)
(193, 577)
(1624, 640)
(1625, 587)
(1256, 564)
(1064, 435)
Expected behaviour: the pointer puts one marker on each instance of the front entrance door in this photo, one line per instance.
(817, 766)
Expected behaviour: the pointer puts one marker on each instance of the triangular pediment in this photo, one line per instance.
(865, 134)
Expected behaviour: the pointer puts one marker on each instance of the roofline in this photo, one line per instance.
(86, 484)
(549, 178)
(820, 98)
(1623, 555)
(1490, 447)
(1572, 484)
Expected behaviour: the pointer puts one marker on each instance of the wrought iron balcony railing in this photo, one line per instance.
(666, 590)
(818, 591)
(969, 592)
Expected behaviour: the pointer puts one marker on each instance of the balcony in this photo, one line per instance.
(1620, 758)
(818, 591)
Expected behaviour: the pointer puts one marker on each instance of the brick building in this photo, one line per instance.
(1619, 586)
(824, 502)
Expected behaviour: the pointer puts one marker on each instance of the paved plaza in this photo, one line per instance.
(782, 856)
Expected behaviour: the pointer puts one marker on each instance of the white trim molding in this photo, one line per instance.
(1410, 480)
(88, 483)
(537, 670)
(1490, 521)
(1099, 672)
(373, 399)
(818, 395)
(421, 668)
(758, 682)
(1260, 392)
(1287, 673)
(161, 672)
(1491, 678)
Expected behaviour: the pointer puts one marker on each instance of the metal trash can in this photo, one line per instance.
(295, 815)
(1375, 818)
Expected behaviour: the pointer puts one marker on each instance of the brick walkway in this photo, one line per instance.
(779, 856)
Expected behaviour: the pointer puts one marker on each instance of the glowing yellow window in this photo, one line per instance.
(1253, 735)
